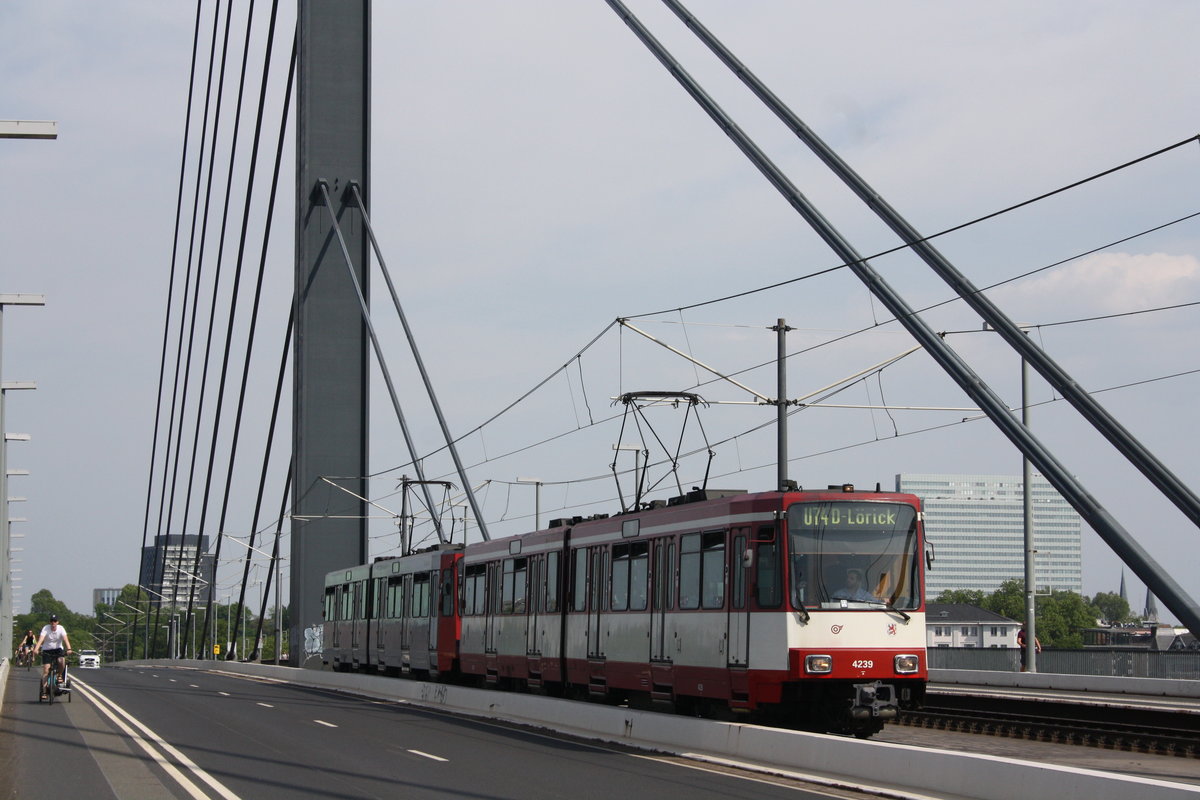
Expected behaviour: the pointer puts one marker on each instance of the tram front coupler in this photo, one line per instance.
(874, 701)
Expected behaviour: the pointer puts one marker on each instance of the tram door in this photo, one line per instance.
(660, 572)
(493, 606)
(597, 599)
(534, 590)
(377, 614)
(739, 609)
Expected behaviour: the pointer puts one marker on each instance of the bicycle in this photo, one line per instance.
(55, 683)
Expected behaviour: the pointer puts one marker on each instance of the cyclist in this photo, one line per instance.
(54, 644)
(25, 650)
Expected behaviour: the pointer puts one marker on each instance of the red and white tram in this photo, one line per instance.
(804, 607)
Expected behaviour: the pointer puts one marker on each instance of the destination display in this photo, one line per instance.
(851, 516)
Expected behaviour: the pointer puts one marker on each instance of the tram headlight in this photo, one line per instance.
(907, 664)
(818, 665)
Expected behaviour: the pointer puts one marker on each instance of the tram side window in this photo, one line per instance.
(495, 573)
(447, 593)
(552, 587)
(515, 577)
(347, 598)
(671, 576)
(766, 564)
(630, 575)
(330, 593)
(579, 590)
(475, 589)
(639, 575)
(737, 597)
(394, 593)
(600, 579)
(713, 570)
(420, 595)
(620, 577)
(689, 571)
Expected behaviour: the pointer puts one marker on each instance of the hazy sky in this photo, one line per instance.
(536, 174)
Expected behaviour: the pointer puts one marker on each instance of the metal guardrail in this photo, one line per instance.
(1170, 664)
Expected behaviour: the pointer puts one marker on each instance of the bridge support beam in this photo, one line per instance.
(331, 356)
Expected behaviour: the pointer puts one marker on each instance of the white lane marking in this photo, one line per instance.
(427, 755)
(265, 705)
(111, 710)
(323, 722)
(223, 694)
(194, 686)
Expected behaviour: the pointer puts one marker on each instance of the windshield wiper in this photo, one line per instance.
(889, 606)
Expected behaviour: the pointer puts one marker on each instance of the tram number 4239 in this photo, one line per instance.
(862, 664)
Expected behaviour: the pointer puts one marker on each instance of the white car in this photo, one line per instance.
(89, 659)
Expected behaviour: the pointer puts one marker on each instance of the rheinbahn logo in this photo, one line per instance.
(836, 629)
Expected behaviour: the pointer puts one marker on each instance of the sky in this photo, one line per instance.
(536, 174)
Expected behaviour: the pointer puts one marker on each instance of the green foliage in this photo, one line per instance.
(80, 627)
(1113, 608)
(1061, 616)
(119, 630)
(971, 597)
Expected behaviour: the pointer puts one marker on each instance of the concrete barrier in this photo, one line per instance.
(1149, 687)
(891, 770)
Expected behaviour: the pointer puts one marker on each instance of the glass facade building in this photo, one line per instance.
(977, 526)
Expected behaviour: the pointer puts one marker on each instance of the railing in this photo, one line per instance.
(1178, 664)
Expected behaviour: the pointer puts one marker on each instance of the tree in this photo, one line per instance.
(1008, 600)
(80, 627)
(1061, 618)
(970, 597)
(1113, 608)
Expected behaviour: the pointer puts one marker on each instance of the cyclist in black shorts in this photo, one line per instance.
(54, 644)
(25, 650)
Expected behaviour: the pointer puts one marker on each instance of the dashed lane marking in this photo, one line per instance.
(155, 747)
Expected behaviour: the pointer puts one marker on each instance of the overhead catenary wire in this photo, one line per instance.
(1099, 417)
(379, 357)
(420, 362)
(1055, 472)
(578, 359)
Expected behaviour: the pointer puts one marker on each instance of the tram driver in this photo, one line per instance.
(854, 588)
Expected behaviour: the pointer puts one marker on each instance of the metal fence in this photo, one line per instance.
(1179, 664)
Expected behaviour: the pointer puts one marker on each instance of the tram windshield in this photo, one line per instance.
(853, 554)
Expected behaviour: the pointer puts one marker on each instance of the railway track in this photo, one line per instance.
(1161, 733)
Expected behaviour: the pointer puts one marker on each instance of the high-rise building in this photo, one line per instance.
(106, 597)
(167, 569)
(977, 526)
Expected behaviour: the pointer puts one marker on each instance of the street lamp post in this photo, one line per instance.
(1027, 509)
(13, 129)
(537, 500)
(277, 560)
(189, 622)
(161, 598)
(6, 611)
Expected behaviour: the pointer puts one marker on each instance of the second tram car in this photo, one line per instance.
(801, 607)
